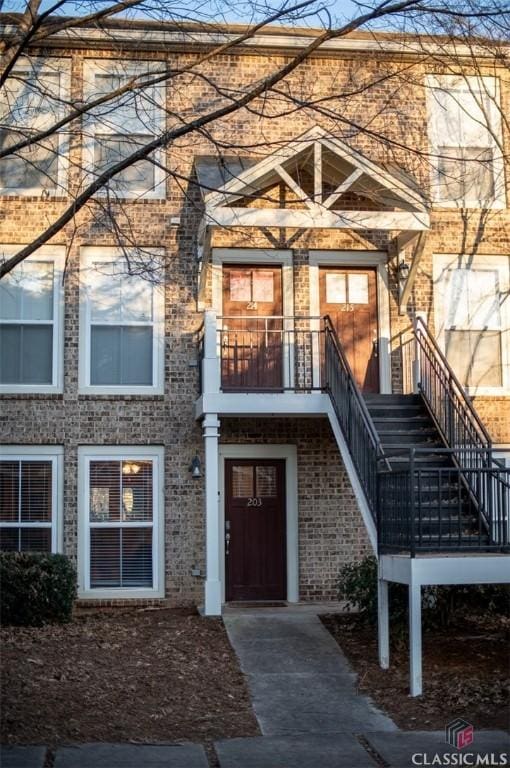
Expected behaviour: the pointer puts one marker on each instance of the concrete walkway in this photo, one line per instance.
(299, 679)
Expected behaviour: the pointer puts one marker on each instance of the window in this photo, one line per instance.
(122, 125)
(464, 133)
(471, 296)
(121, 532)
(31, 310)
(32, 100)
(30, 498)
(122, 322)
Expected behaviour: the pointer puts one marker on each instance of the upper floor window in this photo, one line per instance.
(32, 100)
(31, 308)
(30, 498)
(473, 319)
(122, 322)
(120, 126)
(465, 141)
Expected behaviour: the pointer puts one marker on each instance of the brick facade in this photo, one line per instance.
(331, 530)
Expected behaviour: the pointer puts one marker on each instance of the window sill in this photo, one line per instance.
(116, 391)
(119, 594)
(6, 389)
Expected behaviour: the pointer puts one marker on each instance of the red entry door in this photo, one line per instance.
(252, 342)
(349, 296)
(255, 539)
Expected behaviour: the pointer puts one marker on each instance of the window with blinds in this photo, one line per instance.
(27, 517)
(122, 125)
(464, 132)
(121, 523)
(31, 101)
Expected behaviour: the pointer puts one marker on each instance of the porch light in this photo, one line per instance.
(403, 270)
(195, 467)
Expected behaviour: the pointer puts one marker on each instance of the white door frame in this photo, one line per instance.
(376, 259)
(274, 257)
(289, 453)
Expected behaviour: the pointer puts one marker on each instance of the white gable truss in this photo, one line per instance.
(406, 210)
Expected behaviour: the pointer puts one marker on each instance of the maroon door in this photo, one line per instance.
(349, 296)
(255, 540)
(251, 342)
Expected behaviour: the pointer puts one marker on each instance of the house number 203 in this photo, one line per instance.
(255, 501)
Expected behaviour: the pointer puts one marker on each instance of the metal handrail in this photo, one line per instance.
(464, 408)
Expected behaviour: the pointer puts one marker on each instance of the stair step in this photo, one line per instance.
(410, 440)
(399, 411)
(393, 399)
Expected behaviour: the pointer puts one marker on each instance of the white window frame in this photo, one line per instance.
(92, 67)
(476, 84)
(89, 255)
(55, 454)
(62, 67)
(56, 254)
(155, 454)
(443, 262)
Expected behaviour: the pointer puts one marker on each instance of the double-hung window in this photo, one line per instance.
(31, 313)
(121, 548)
(123, 124)
(122, 322)
(32, 100)
(472, 315)
(465, 141)
(30, 498)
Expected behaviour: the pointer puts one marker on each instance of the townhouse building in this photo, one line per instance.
(307, 356)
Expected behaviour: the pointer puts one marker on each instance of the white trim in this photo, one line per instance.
(258, 451)
(501, 263)
(55, 454)
(91, 67)
(319, 218)
(190, 35)
(275, 257)
(61, 66)
(89, 255)
(56, 254)
(155, 454)
(378, 259)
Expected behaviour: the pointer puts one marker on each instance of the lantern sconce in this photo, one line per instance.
(195, 467)
(403, 270)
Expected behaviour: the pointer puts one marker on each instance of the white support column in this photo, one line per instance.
(211, 378)
(415, 650)
(212, 516)
(383, 623)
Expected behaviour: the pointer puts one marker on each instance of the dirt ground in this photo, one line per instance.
(133, 675)
(466, 673)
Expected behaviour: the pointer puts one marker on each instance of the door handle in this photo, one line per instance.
(375, 344)
(227, 543)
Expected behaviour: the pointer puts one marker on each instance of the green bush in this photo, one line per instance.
(36, 589)
(441, 606)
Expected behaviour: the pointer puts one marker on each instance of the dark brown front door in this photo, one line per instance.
(251, 346)
(255, 540)
(349, 296)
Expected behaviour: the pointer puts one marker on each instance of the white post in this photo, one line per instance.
(212, 516)
(383, 623)
(211, 362)
(415, 650)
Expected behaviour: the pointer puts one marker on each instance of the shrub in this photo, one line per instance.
(441, 605)
(36, 589)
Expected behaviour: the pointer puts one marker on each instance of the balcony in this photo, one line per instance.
(262, 365)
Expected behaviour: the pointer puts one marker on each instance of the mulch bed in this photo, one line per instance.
(466, 673)
(134, 675)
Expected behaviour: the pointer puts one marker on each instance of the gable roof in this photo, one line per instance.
(357, 174)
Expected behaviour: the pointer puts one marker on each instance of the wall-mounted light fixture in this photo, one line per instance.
(195, 467)
(403, 270)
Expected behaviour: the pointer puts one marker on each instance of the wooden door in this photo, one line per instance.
(349, 296)
(255, 538)
(252, 340)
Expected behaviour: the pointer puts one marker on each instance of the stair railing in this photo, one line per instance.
(352, 414)
(461, 428)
